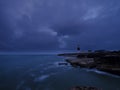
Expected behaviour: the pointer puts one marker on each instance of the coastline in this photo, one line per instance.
(107, 61)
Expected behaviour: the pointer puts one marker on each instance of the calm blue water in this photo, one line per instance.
(42, 72)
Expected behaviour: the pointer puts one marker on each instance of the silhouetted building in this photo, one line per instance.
(78, 48)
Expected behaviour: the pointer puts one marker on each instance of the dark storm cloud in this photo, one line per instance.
(31, 25)
(5, 29)
(69, 28)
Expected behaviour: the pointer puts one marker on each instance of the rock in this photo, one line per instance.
(84, 88)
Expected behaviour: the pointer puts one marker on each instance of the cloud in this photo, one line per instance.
(62, 41)
(48, 31)
(59, 24)
(93, 13)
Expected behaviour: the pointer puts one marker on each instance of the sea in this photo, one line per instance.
(43, 72)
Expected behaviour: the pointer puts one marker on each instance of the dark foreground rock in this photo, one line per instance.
(85, 88)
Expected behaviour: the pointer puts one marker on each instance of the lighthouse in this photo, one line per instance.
(78, 48)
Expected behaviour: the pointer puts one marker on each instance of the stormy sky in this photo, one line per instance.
(48, 25)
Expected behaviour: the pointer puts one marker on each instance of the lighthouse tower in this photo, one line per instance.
(78, 48)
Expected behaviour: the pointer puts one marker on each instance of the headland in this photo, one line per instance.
(107, 61)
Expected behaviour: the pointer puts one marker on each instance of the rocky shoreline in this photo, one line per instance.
(85, 88)
(107, 61)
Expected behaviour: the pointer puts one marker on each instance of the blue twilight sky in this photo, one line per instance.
(50, 25)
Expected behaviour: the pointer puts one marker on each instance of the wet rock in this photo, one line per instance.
(85, 88)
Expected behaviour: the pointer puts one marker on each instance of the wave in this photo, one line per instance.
(41, 78)
(102, 73)
(108, 74)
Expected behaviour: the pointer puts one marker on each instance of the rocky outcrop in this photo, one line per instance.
(85, 88)
(82, 62)
(105, 61)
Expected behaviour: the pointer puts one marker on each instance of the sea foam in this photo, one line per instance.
(41, 78)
